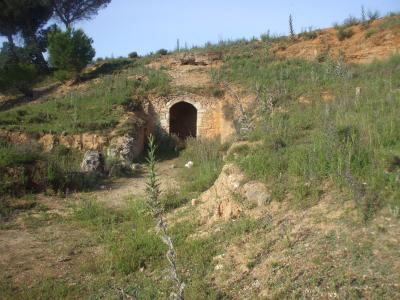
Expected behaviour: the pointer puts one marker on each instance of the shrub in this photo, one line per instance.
(350, 21)
(71, 50)
(116, 168)
(322, 56)
(18, 77)
(309, 34)
(344, 33)
(218, 93)
(13, 155)
(167, 145)
(370, 33)
(265, 37)
(62, 75)
(18, 170)
(373, 15)
(162, 52)
(24, 169)
(133, 55)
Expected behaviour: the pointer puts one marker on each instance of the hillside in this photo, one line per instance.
(293, 192)
(362, 43)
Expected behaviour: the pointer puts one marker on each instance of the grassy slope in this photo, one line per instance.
(95, 107)
(350, 140)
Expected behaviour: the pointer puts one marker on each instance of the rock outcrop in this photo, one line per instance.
(93, 162)
(128, 140)
(124, 148)
(229, 195)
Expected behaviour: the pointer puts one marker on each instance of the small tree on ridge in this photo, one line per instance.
(70, 50)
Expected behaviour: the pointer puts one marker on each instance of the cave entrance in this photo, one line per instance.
(183, 120)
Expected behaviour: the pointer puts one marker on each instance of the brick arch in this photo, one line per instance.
(183, 120)
(170, 105)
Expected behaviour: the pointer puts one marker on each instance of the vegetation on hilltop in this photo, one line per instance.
(23, 64)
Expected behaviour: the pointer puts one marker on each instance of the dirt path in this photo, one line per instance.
(38, 243)
(116, 194)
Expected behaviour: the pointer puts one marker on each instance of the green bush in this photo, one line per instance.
(162, 52)
(344, 33)
(25, 169)
(350, 21)
(18, 171)
(373, 15)
(218, 93)
(63, 75)
(370, 33)
(71, 50)
(12, 155)
(167, 145)
(133, 55)
(18, 77)
(309, 34)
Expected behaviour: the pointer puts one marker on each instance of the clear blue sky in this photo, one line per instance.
(144, 26)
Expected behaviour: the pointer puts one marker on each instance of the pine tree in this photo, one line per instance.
(71, 11)
(27, 18)
(70, 50)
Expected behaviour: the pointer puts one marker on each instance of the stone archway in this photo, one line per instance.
(183, 120)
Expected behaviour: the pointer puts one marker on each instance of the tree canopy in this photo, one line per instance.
(71, 11)
(70, 50)
(21, 64)
(26, 17)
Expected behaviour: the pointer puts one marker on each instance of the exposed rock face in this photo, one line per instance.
(125, 148)
(128, 139)
(85, 141)
(230, 191)
(93, 161)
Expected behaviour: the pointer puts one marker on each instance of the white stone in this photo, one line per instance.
(189, 164)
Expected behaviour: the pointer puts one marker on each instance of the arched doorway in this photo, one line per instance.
(183, 120)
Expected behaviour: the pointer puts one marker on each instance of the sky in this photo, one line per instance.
(144, 26)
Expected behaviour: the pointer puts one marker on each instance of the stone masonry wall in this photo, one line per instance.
(210, 117)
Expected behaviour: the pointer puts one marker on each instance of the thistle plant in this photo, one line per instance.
(157, 210)
(291, 27)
